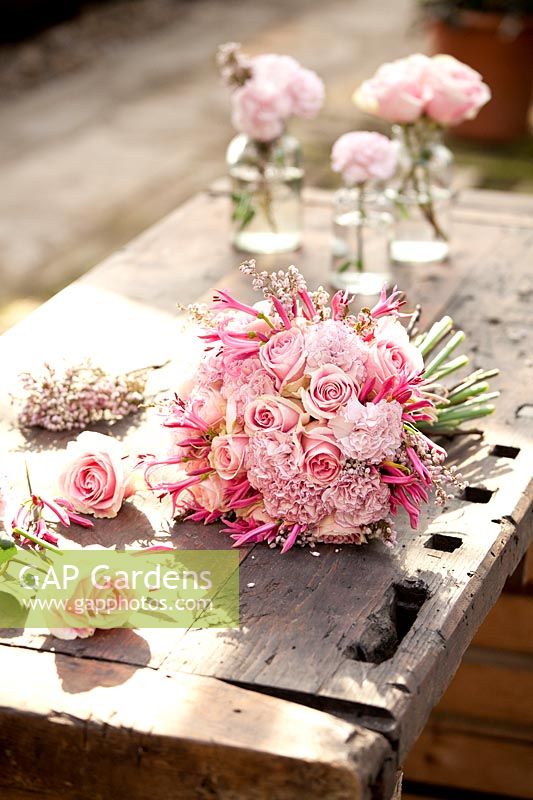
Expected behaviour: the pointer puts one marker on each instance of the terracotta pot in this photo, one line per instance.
(504, 58)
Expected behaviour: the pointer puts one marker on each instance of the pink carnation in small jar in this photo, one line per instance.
(283, 356)
(273, 413)
(398, 92)
(330, 388)
(362, 156)
(227, 455)
(95, 477)
(457, 91)
(307, 92)
(323, 457)
(259, 110)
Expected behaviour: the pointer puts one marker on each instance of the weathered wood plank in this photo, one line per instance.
(310, 622)
(97, 730)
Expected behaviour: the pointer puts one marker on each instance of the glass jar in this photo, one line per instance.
(421, 193)
(362, 232)
(266, 190)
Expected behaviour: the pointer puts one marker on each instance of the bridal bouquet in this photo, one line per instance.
(308, 423)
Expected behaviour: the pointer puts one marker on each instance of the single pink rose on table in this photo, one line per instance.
(99, 603)
(273, 413)
(323, 457)
(362, 156)
(283, 356)
(398, 92)
(227, 455)
(329, 389)
(391, 353)
(95, 477)
(371, 432)
(457, 91)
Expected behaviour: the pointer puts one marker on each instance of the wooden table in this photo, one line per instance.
(340, 658)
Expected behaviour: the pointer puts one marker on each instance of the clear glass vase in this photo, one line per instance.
(266, 190)
(421, 194)
(362, 232)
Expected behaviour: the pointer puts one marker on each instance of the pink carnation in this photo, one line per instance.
(362, 156)
(307, 92)
(259, 110)
(332, 342)
(371, 432)
(360, 497)
(274, 463)
(245, 383)
(457, 91)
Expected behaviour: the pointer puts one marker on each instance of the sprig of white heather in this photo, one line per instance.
(284, 285)
(233, 65)
(74, 397)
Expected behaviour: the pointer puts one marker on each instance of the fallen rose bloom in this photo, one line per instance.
(95, 477)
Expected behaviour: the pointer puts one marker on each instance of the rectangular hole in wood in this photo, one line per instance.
(477, 494)
(387, 627)
(443, 542)
(504, 451)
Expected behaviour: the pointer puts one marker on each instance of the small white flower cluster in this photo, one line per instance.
(233, 66)
(283, 285)
(77, 396)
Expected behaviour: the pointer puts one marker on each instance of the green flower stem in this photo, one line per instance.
(439, 359)
(360, 259)
(436, 333)
(474, 378)
(470, 391)
(451, 366)
(36, 540)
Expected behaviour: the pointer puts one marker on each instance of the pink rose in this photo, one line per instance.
(458, 91)
(209, 405)
(322, 455)
(363, 156)
(307, 92)
(209, 494)
(259, 110)
(93, 604)
(283, 356)
(391, 353)
(331, 531)
(95, 478)
(398, 91)
(330, 389)
(227, 455)
(273, 413)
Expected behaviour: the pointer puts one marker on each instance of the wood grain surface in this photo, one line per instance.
(370, 635)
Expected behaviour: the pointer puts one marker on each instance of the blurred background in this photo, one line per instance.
(112, 114)
(112, 111)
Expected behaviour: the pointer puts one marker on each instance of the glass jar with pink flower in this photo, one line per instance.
(421, 97)
(362, 222)
(264, 161)
(421, 193)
